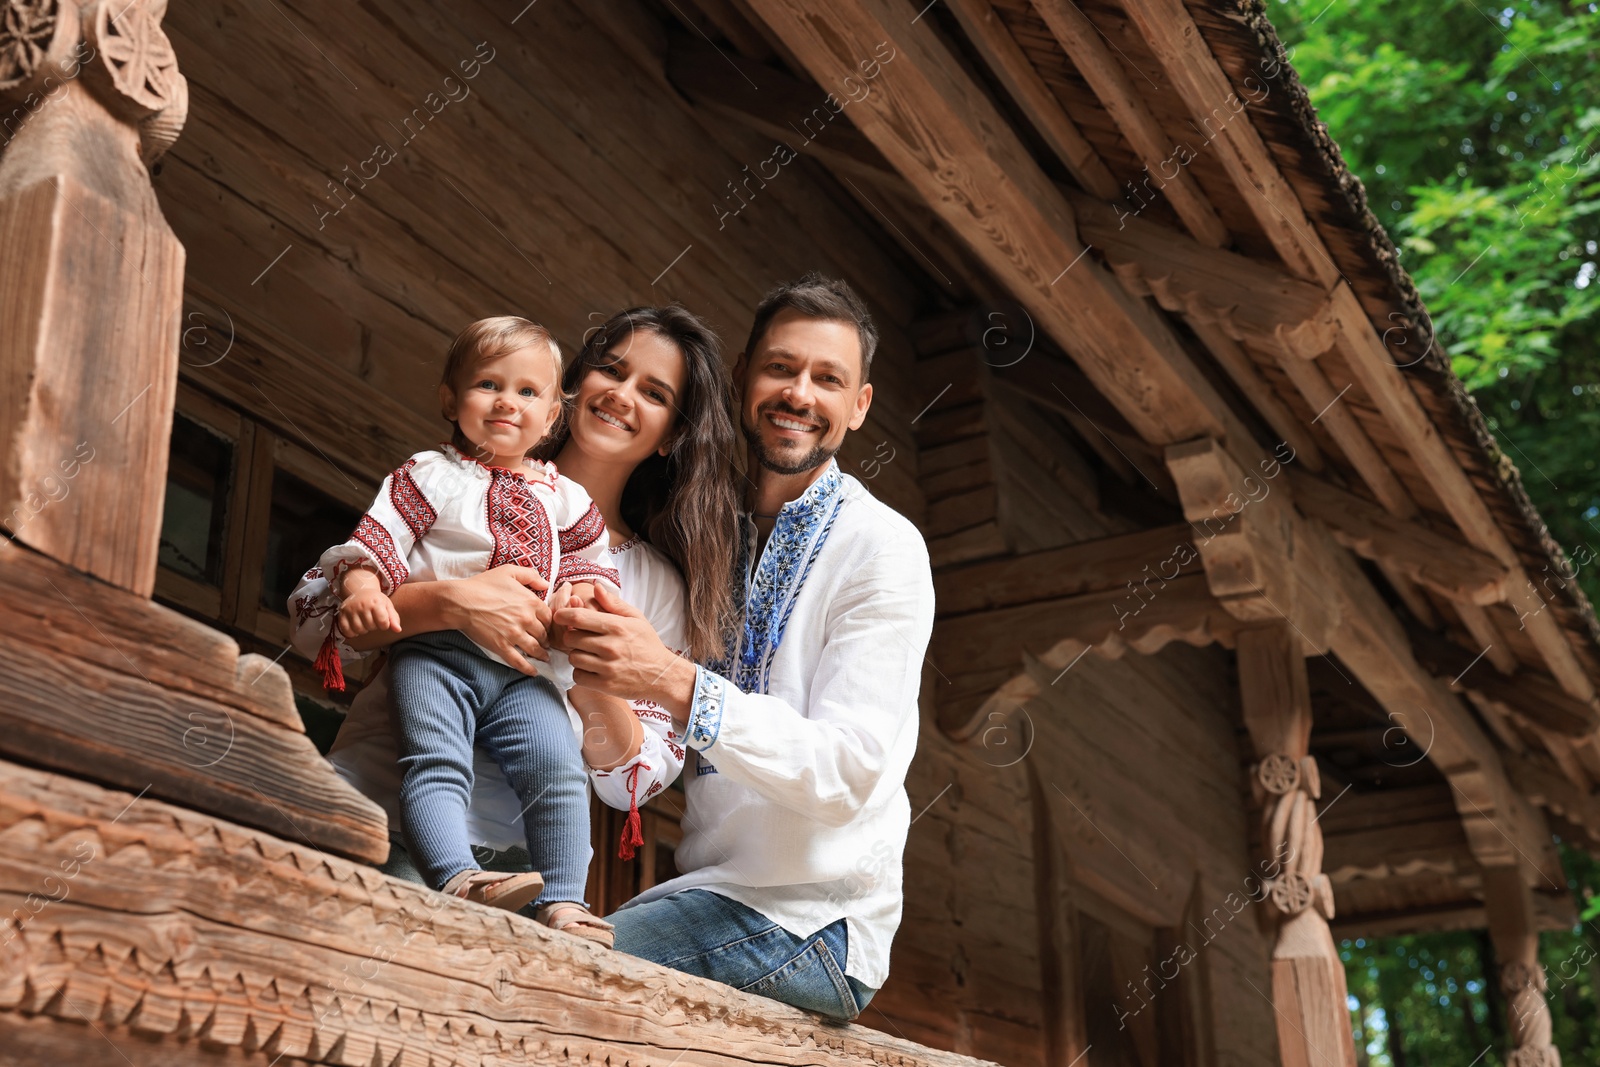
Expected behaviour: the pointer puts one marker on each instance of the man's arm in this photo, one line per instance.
(825, 759)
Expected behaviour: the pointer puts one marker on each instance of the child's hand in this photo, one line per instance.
(565, 596)
(582, 595)
(367, 611)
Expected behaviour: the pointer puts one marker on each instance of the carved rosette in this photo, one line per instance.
(1289, 791)
(35, 36)
(1528, 1016)
(135, 70)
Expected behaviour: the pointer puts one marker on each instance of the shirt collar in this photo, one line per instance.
(817, 497)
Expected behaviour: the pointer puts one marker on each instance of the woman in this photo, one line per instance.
(649, 436)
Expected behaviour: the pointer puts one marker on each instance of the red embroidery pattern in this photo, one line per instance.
(518, 524)
(409, 501)
(578, 569)
(583, 533)
(370, 532)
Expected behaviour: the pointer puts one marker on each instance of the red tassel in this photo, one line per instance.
(328, 664)
(632, 834)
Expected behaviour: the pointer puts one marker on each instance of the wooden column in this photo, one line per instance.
(1308, 986)
(1513, 929)
(91, 281)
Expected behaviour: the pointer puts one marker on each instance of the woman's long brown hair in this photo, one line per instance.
(684, 503)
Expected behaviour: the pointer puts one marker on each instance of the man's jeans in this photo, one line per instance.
(702, 933)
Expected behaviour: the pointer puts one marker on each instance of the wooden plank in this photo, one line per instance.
(1528, 693)
(994, 645)
(179, 925)
(701, 73)
(1430, 559)
(1091, 566)
(98, 682)
(1006, 59)
(1254, 299)
(1389, 390)
(937, 129)
(1239, 367)
(1178, 45)
(1341, 425)
(1086, 46)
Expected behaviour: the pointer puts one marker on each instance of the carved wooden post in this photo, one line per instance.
(1308, 986)
(91, 281)
(1516, 947)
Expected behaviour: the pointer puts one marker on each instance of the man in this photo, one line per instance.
(797, 812)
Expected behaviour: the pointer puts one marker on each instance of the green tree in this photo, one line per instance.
(1477, 133)
(1476, 130)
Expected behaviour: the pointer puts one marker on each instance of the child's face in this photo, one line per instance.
(507, 404)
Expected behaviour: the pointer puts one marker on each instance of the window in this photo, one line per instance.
(247, 511)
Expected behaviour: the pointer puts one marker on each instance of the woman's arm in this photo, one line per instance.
(499, 609)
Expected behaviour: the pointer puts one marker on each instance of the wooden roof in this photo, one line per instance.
(1011, 136)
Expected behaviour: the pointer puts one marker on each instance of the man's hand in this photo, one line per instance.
(366, 610)
(502, 611)
(615, 649)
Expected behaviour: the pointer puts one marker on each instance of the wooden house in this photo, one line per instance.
(1248, 637)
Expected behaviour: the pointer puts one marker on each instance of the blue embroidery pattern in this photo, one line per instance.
(802, 528)
(705, 713)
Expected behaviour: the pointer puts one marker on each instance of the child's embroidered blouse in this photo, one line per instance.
(445, 515)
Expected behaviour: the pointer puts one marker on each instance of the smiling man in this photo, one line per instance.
(797, 811)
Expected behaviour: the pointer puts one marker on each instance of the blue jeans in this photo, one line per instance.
(446, 694)
(705, 934)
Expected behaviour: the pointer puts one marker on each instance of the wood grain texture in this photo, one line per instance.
(101, 683)
(245, 943)
(87, 405)
(1086, 45)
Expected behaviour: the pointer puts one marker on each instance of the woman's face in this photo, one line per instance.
(628, 408)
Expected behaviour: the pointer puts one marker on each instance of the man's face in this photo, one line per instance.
(801, 390)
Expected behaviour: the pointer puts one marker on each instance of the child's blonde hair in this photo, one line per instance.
(489, 339)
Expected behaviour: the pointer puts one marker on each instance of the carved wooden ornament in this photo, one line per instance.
(134, 51)
(32, 34)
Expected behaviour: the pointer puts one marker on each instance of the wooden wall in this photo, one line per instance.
(560, 182)
(1138, 766)
(572, 181)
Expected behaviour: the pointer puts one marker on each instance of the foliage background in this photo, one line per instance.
(1476, 130)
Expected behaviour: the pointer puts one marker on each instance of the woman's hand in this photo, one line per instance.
(501, 610)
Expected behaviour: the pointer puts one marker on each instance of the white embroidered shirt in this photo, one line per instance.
(445, 515)
(796, 794)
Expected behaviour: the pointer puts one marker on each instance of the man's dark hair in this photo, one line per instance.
(819, 297)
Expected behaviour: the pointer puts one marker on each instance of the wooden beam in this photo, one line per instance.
(1120, 562)
(1391, 392)
(1372, 644)
(778, 106)
(196, 941)
(1248, 299)
(1537, 778)
(982, 653)
(99, 682)
(943, 135)
(1178, 45)
(1345, 429)
(1535, 696)
(1308, 983)
(1514, 929)
(1238, 366)
(1086, 46)
(1006, 59)
(91, 287)
(1448, 567)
